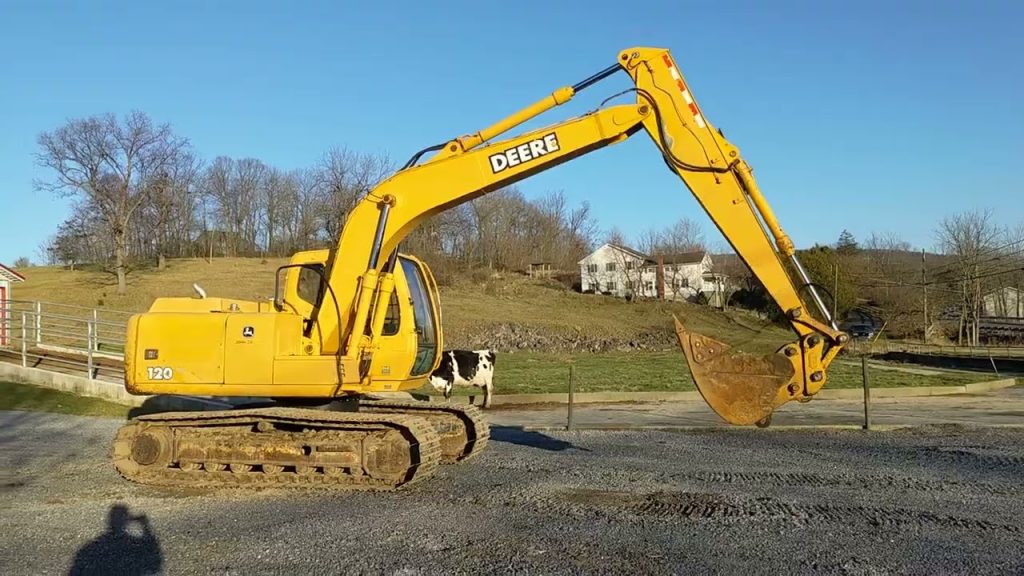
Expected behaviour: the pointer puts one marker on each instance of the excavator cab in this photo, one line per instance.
(410, 334)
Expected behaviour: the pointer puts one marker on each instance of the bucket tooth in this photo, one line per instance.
(741, 388)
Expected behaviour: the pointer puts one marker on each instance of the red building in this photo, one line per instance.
(7, 278)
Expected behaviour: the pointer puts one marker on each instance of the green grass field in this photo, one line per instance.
(529, 373)
(473, 310)
(33, 398)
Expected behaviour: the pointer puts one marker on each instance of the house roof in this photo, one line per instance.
(1003, 290)
(630, 251)
(684, 257)
(620, 248)
(678, 258)
(11, 275)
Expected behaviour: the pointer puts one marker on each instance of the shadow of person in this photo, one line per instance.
(128, 547)
(156, 404)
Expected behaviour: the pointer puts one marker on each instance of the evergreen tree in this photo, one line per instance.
(846, 244)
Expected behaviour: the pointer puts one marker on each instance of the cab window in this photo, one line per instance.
(310, 287)
(391, 317)
(423, 318)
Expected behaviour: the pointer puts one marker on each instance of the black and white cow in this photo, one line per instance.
(465, 368)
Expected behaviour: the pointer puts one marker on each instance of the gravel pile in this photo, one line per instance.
(510, 337)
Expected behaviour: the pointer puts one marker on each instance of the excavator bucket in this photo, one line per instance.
(742, 388)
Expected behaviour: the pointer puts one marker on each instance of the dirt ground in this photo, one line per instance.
(926, 500)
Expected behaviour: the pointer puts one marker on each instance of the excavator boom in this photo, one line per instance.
(741, 389)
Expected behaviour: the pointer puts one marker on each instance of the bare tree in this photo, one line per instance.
(151, 198)
(582, 230)
(112, 163)
(500, 222)
(731, 275)
(305, 214)
(249, 180)
(969, 238)
(885, 251)
(649, 241)
(345, 178)
(682, 236)
(169, 211)
(80, 238)
(236, 188)
(277, 190)
(615, 236)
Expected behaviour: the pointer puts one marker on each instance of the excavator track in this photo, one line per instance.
(463, 429)
(277, 447)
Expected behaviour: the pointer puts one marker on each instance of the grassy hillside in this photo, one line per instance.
(507, 312)
(547, 326)
(229, 277)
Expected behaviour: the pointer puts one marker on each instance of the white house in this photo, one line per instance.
(1005, 302)
(620, 271)
(7, 277)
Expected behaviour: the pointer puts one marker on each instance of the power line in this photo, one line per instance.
(981, 253)
(988, 274)
(939, 271)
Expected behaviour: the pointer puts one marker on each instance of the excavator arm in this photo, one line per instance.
(742, 389)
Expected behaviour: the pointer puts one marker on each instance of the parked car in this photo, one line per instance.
(860, 331)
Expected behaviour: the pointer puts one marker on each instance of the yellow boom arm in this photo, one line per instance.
(741, 389)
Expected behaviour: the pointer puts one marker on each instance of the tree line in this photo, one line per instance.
(141, 194)
(974, 269)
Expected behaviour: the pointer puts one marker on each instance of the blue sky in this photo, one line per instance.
(871, 116)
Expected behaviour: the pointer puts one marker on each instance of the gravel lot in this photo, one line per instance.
(934, 500)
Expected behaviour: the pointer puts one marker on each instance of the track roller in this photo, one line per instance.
(271, 447)
(463, 429)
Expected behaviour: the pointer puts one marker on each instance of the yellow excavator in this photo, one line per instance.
(363, 318)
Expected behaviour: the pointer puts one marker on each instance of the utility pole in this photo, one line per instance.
(924, 286)
(835, 289)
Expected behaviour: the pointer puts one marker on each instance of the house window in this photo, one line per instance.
(630, 265)
(648, 287)
(610, 287)
(629, 284)
(592, 268)
(610, 267)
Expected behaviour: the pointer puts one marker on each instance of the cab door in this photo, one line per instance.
(409, 343)
(426, 317)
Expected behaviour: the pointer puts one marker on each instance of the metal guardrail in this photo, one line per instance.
(936, 349)
(63, 338)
